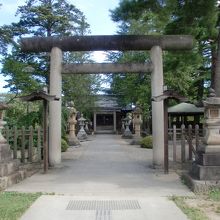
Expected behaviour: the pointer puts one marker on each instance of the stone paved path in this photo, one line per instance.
(105, 169)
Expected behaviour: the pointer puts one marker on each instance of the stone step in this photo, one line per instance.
(104, 132)
(14, 178)
(7, 168)
(104, 127)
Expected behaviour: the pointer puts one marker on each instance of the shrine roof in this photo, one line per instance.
(185, 108)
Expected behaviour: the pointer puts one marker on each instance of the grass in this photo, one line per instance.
(201, 206)
(191, 212)
(214, 194)
(13, 204)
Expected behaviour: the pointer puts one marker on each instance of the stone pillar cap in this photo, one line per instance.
(212, 101)
(137, 110)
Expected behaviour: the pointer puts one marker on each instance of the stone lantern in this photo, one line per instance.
(127, 133)
(137, 120)
(207, 165)
(72, 139)
(2, 122)
(211, 141)
(82, 134)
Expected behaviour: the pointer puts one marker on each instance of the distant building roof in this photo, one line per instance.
(185, 108)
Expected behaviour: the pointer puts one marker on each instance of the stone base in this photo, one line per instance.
(14, 178)
(198, 186)
(88, 132)
(9, 167)
(127, 135)
(15, 173)
(11, 171)
(209, 159)
(206, 166)
(202, 172)
(73, 142)
(5, 152)
(82, 136)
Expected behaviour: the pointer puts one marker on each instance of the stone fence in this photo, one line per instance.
(26, 143)
(184, 142)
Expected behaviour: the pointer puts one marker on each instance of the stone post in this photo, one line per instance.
(82, 134)
(72, 139)
(55, 107)
(157, 107)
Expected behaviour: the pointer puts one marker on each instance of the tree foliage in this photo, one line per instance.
(28, 71)
(40, 18)
(188, 72)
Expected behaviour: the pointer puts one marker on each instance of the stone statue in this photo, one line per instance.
(73, 141)
(127, 133)
(137, 121)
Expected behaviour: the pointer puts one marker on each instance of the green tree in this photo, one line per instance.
(45, 18)
(41, 18)
(196, 17)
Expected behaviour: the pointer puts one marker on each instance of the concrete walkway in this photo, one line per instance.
(99, 180)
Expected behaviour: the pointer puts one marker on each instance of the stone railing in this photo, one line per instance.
(26, 143)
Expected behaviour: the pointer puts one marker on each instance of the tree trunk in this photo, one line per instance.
(217, 70)
(214, 55)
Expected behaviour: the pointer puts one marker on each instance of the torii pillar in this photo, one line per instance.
(157, 107)
(55, 107)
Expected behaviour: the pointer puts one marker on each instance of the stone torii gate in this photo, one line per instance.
(55, 45)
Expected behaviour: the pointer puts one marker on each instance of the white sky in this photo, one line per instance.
(96, 12)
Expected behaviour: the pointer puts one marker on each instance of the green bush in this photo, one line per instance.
(147, 142)
(64, 145)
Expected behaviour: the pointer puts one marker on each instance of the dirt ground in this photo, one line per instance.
(208, 206)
